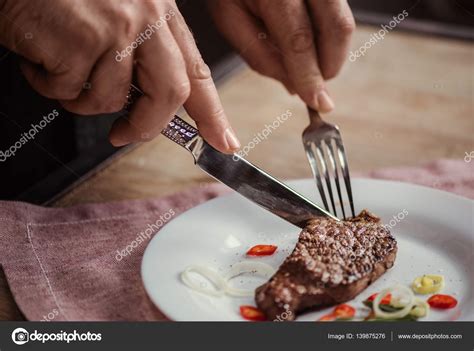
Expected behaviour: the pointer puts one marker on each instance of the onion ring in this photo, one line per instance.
(259, 268)
(398, 314)
(209, 274)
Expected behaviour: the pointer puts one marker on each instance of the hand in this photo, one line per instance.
(84, 54)
(298, 43)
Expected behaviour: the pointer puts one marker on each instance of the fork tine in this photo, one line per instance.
(314, 168)
(324, 168)
(345, 170)
(336, 174)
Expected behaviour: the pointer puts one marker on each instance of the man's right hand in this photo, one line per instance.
(84, 54)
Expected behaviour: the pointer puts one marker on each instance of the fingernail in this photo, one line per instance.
(232, 140)
(118, 142)
(325, 103)
(119, 134)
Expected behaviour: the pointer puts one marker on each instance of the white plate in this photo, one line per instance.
(435, 236)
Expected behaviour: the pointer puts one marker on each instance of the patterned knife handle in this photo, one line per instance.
(177, 130)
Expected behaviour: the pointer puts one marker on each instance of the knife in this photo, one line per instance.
(242, 176)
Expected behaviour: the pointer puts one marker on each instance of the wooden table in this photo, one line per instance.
(409, 100)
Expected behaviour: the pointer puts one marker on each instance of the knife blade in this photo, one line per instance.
(244, 177)
(239, 174)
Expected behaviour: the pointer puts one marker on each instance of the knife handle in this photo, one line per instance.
(179, 131)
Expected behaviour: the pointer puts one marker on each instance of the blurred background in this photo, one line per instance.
(408, 100)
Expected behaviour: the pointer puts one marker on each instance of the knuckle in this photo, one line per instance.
(156, 9)
(345, 26)
(217, 116)
(91, 36)
(312, 83)
(200, 71)
(300, 40)
(127, 21)
(153, 8)
(59, 89)
(180, 92)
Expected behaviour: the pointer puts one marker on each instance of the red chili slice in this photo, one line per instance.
(344, 311)
(252, 313)
(328, 318)
(385, 301)
(442, 301)
(262, 250)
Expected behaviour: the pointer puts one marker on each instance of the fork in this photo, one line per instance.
(322, 142)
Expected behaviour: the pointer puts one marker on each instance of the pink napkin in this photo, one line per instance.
(83, 263)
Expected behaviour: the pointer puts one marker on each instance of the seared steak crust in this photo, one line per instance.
(331, 263)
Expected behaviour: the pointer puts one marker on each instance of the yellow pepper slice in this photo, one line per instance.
(428, 284)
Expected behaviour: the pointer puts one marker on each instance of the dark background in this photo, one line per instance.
(72, 145)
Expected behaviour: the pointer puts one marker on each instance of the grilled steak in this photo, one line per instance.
(331, 263)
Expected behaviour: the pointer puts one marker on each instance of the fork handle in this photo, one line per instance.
(313, 115)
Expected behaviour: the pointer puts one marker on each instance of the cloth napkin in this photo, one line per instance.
(82, 263)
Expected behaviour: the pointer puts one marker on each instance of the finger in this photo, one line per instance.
(62, 82)
(251, 41)
(289, 24)
(203, 104)
(161, 75)
(107, 88)
(50, 68)
(334, 27)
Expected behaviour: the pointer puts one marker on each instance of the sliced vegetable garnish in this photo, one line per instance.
(420, 308)
(442, 301)
(252, 313)
(385, 301)
(428, 284)
(258, 268)
(211, 275)
(262, 250)
(404, 299)
(221, 284)
(344, 311)
(328, 317)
